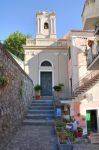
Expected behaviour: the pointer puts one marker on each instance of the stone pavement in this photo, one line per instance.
(86, 147)
(34, 138)
(41, 138)
(37, 131)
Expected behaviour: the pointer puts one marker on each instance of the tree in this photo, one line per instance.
(14, 44)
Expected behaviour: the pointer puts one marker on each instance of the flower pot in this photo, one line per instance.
(37, 97)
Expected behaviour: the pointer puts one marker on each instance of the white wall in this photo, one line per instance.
(58, 58)
(78, 58)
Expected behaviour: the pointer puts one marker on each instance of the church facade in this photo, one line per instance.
(45, 56)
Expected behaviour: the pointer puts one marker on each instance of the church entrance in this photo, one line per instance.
(46, 83)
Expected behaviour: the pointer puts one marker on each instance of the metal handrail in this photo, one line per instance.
(77, 83)
(85, 80)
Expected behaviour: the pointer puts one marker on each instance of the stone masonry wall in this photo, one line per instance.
(15, 96)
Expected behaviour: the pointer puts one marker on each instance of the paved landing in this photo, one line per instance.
(34, 138)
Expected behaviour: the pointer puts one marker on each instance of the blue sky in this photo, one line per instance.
(19, 15)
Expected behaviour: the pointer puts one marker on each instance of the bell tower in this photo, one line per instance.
(46, 24)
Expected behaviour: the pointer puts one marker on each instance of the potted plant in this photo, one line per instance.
(80, 132)
(57, 88)
(37, 89)
(59, 126)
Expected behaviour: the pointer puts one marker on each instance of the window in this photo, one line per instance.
(46, 63)
(46, 26)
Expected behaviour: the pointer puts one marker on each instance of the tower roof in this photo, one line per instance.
(46, 13)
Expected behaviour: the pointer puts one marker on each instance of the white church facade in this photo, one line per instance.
(45, 56)
(50, 61)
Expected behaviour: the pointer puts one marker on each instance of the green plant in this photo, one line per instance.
(97, 24)
(59, 125)
(69, 134)
(37, 88)
(14, 44)
(98, 42)
(3, 81)
(86, 52)
(59, 129)
(80, 129)
(65, 142)
(57, 88)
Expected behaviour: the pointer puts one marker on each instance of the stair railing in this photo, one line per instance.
(87, 79)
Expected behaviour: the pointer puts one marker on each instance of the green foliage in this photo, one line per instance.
(14, 44)
(63, 133)
(37, 87)
(86, 52)
(57, 88)
(59, 125)
(98, 42)
(3, 81)
(80, 129)
(69, 134)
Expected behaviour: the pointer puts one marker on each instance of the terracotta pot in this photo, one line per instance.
(90, 43)
(37, 97)
(76, 134)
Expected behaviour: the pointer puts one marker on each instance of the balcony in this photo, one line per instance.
(46, 42)
(93, 56)
(90, 14)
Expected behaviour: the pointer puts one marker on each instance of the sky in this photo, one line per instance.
(20, 15)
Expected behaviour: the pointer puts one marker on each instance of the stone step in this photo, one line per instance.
(42, 104)
(38, 122)
(42, 101)
(37, 111)
(46, 97)
(41, 107)
(39, 116)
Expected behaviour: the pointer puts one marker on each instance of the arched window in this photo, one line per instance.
(46, 64)
(46, 26)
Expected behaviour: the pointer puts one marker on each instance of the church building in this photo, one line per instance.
(46, 56)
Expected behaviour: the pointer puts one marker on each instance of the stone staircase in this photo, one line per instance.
(41, 112)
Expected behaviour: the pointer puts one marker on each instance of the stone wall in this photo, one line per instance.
(16, 92)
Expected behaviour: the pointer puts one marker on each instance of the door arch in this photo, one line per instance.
(46, 77)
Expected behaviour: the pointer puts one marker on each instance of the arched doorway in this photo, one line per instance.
(46, 78)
